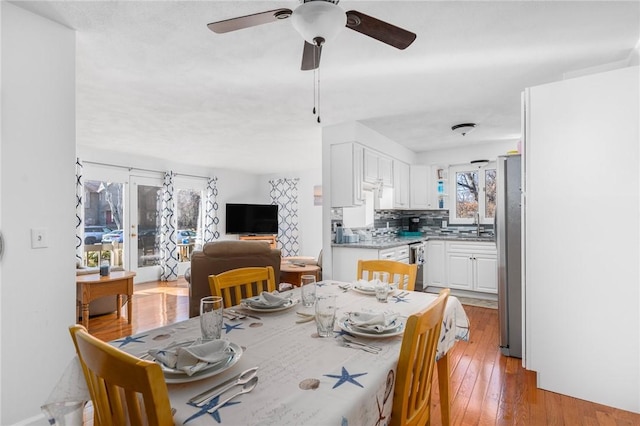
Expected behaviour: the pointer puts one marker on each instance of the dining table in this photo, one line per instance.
(303, 379)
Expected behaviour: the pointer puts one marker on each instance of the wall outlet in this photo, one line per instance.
(39, 238)
(444, 223)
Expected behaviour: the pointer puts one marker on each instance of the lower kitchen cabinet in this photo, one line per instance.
(472, 266)
(435, 264)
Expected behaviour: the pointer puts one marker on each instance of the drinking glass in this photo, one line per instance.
(211, 317)
(308, 290)
(381, 286)
(325, 315)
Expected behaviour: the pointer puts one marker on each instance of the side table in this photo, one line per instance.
(93, 286)
(290, 273)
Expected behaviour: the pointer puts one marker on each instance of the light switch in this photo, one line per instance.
(39, 238)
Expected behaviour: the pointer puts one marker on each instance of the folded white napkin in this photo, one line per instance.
(374, 321)
(267, 300)
(366, 285)
(191, 359)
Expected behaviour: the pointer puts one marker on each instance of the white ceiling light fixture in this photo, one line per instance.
(463, 128)
(318, 21)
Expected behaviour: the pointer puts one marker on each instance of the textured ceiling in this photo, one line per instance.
(153, 80)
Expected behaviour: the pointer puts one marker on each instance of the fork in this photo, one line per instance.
(353, 341)
(364, 348)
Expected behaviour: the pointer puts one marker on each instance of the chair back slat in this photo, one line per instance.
(402, 273)
(241, 283)
(414, 377)
(124, 389)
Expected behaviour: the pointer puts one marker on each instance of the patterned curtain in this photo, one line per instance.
(211, 220)
(168, 230)
(79, 214)
(284, 193)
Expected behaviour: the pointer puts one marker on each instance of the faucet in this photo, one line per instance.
(477, 223)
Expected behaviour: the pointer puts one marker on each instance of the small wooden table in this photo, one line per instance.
(93, 286)
(290, 273)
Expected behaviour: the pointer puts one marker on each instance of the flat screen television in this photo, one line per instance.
(252, 219)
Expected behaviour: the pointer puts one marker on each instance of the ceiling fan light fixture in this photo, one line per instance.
(463, 128)
(318, 20)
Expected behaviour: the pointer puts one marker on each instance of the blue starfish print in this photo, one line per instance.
(341, 332)
(207, 406)
(130, 339)
(320, 284)
(229, 327)
(346, 377)
(401, 299)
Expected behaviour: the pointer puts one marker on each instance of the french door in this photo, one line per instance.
(144, 227)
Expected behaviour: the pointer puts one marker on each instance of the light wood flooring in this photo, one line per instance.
(486, 387)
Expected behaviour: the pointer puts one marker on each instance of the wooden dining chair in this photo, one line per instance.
(238, 284)
(402, 273)
(124, 389)
(414, 375)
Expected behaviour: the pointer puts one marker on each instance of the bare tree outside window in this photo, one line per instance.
(475, 192)
(466, 194)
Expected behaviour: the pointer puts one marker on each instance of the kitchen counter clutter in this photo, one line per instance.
(395, 241)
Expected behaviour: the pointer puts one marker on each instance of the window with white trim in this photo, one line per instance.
(473, 191)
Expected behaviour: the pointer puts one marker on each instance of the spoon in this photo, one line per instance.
(246, 388)
(243, 378)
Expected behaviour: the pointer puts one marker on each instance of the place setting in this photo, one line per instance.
(374, 325)
(268, 302)
(197, 359)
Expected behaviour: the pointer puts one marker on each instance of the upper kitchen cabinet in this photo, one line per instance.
(377, 168)
(346, 175)
(401, 185)
(439, 187)
(420, 182)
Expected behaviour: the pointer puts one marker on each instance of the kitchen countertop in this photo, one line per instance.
(395, 241)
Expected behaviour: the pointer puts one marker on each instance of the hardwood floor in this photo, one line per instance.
(486, 387)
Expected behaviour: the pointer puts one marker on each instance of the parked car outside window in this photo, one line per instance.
(112, 237)
(186, 236)
(93, 234)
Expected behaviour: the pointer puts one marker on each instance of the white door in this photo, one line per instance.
(144, 227)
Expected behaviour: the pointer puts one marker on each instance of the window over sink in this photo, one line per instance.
(475, 193)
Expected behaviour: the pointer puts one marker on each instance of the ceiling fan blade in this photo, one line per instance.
(241, 22)
(310, 56)
(380, 30)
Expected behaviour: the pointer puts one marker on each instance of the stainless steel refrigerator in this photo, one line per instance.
(508, 228)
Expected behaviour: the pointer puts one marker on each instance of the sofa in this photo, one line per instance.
(221, 256)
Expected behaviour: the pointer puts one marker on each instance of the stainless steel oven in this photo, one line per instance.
(417, 254)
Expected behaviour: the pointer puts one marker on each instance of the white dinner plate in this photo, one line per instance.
(290, 303)
(344, 324)
(177, 376)
(372, 292)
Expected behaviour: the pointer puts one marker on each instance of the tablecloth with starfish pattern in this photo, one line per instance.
(303, 379)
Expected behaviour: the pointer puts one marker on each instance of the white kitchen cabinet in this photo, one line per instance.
(435, 264)
(377, 168)
(401, 183)
(439, 188)
(419, 183)
(346, 175)
(345, 259)
(472, 266)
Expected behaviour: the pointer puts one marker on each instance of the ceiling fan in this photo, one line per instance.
(319, 21)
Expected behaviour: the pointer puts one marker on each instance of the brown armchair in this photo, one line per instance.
(221, 256)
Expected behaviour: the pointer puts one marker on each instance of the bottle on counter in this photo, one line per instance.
(339, 233)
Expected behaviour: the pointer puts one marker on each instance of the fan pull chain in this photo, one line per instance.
(314, 91)
(318, 84)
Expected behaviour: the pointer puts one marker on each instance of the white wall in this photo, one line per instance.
(37, 291)
(582, 276)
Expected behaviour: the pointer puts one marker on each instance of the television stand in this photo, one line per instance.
(270, 238)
